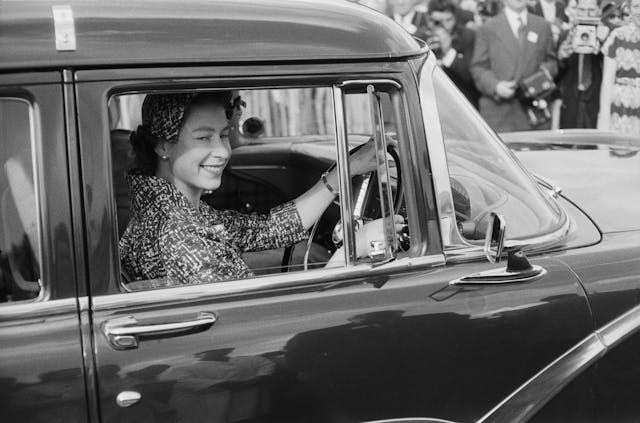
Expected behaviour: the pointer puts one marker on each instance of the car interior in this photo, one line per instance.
(287, 141)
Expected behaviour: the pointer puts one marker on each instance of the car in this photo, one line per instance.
(497, 274)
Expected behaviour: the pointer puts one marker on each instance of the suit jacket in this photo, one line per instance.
(560, 13)
(460, 69)
(500, 56)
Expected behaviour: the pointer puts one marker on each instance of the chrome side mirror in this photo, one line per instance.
(494, 238)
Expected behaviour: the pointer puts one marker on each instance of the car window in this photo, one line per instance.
(19, 237)
(485, 176)
(287, 139)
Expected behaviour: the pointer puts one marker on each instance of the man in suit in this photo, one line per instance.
(553, 12)
(508, 48)
(453, 44)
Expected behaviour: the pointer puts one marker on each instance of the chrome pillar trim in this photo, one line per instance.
(87, 343)
(438, 157)
(344, 173)
(64, 28)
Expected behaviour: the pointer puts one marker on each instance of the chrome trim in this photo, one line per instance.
(122, 333)
(359, 206)
(384, 182)
(128, 398)
(500, 276)
(88, 358)
(344, 173)
(64, 28)
(525, 401)
(281, 281)
(437, 156)
(35, 311)
(365, 82)
(553, 189)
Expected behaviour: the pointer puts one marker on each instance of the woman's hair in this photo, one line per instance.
(162, 118)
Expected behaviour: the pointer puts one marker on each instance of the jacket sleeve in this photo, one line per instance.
(484, 78)
(461, 65)
(253, 232)
(550, 62)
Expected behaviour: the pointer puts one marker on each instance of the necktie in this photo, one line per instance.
(522, 30)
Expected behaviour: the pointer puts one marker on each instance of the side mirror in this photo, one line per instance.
(494, 238)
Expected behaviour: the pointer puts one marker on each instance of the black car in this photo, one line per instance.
(425, 326)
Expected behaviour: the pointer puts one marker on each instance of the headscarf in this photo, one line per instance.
(163, 113)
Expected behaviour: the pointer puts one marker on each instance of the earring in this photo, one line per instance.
(164, 157)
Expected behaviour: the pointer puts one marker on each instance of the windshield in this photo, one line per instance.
(484, 175)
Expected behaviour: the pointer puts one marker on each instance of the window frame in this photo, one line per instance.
(95, 87)
(34, 142)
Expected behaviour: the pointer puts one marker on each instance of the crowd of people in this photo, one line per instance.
(535, 64)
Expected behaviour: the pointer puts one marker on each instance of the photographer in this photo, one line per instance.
(510, 48)
(453, 45)
(580, 67)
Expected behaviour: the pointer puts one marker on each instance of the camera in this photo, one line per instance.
(587, 17)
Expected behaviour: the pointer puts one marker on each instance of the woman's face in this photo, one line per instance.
(634, 10)
(202, 151)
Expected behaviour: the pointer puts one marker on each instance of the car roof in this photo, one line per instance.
(144, 33)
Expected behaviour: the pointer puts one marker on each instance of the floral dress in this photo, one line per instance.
(623, 45)
(168, 240)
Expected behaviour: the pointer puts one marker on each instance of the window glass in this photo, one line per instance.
(19, 241)
(485, 176)
(286, 141)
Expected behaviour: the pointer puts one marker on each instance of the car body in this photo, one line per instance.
(429, 330)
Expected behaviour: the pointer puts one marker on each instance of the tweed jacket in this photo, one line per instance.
(167, 238)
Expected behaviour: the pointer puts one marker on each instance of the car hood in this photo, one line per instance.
(599, 172)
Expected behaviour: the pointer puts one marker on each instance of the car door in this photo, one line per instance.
(360, 342)
(41, 356)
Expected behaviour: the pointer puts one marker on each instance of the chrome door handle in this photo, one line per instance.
(500, 276)
(123, 333)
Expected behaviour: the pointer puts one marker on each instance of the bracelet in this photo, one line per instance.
(326, 183)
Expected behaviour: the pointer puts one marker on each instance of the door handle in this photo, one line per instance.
(123, 333)
(500, 276)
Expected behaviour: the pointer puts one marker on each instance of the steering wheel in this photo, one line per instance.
(370, 203)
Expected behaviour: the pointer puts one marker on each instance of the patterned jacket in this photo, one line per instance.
(168, 239)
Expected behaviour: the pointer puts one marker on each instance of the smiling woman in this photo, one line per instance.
(181, 150)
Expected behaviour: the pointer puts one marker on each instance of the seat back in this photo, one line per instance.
(121, 162)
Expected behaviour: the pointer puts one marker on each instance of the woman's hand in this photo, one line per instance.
(363, 160)
(374, 231)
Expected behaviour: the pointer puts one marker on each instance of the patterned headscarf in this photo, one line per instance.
(163, 113)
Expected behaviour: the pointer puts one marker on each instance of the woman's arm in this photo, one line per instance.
(608, 80)
(315, 201)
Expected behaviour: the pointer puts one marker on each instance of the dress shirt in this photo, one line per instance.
(514, 18)
(548, 10)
